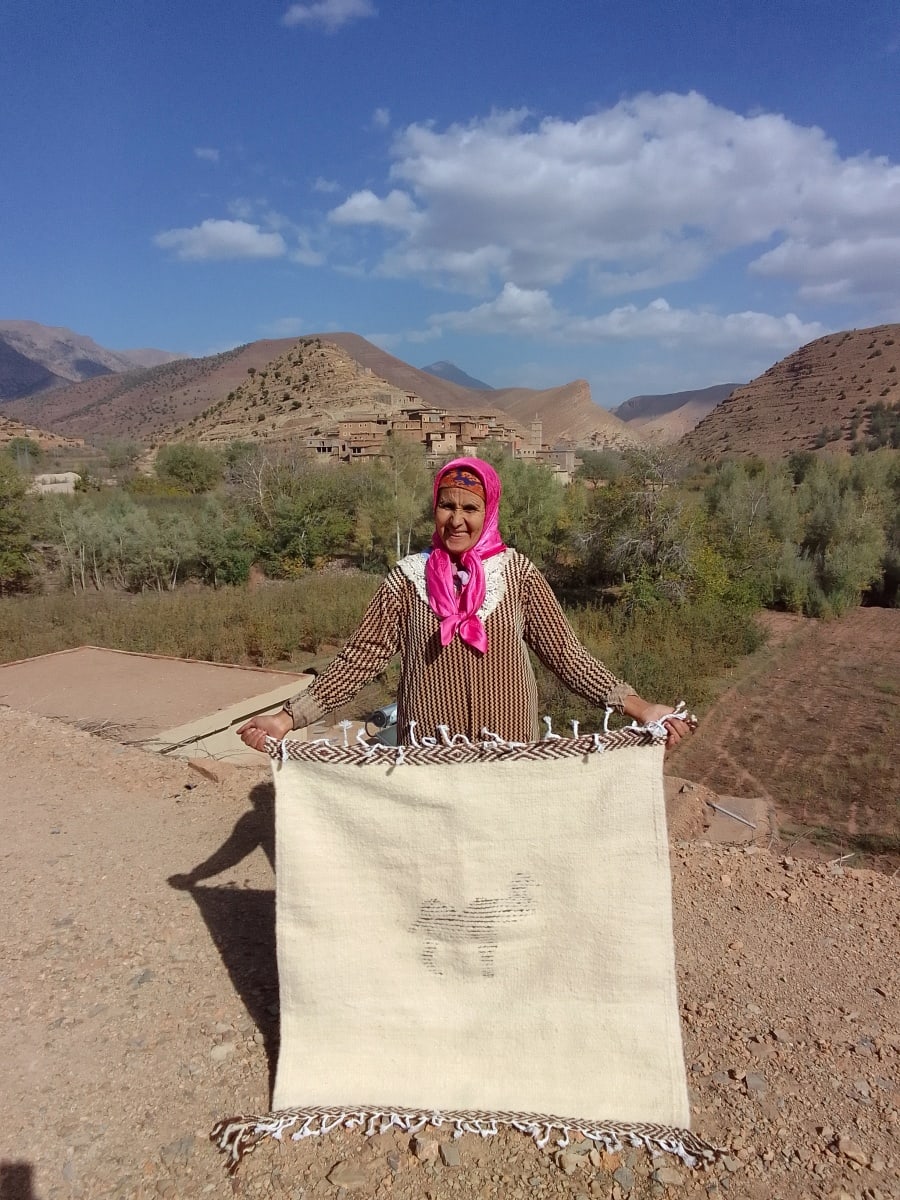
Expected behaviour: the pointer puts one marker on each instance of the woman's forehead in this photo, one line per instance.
(454, 495)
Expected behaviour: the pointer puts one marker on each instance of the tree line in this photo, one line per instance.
(643, 529)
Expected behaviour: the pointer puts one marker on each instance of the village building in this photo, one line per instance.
(443, 434)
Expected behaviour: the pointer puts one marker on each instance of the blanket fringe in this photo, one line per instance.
(460, 749)
(241, 1135)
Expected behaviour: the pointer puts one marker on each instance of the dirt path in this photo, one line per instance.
(136, 1012)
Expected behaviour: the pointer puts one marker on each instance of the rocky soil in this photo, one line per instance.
(139, 1000)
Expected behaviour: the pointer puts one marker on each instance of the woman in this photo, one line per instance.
(462, 615)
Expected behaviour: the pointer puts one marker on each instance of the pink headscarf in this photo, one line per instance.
(458, 612)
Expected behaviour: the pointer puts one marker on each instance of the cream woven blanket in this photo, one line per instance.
(476, 934)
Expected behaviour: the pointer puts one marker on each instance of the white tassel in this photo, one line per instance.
(550, 736)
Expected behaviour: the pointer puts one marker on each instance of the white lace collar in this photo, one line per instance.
(413, 567)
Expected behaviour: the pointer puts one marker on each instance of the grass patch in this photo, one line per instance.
(666, 655)
(276, 624)
(865, 847)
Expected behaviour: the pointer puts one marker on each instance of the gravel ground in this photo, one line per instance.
(137, 983)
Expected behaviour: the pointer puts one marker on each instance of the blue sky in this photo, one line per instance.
(652, 196)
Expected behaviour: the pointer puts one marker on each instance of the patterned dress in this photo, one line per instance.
(454, 685)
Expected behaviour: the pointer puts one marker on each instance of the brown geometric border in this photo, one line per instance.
(355, 755)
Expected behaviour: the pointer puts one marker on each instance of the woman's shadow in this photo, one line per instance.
(241, 921)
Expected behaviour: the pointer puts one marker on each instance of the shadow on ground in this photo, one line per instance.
(241, 921)
(252, 829)
(16, 1180)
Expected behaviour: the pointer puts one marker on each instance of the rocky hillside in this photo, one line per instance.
(146, 356)
(438, 392)
(317, 383)
(306, 390)
(47, 441)
(139, 403)
(21, 375)
(35, 358)
(569, 415)
(277, 388)
(813, 399)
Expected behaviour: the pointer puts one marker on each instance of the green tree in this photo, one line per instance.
(599, 466)
(407, 495)
(25, 453)
(642, 532)
(122, 455)
(194, 469)
(843, 537)
(752, 515)
(124, 544)
(15, 538)
(812, 535)
(533, 505)
(225, 551)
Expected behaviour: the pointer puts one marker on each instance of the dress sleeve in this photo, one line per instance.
(552, 638)
(367, 652)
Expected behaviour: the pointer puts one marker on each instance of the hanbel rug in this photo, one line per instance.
(477, 934)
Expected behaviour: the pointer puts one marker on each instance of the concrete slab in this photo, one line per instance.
(740, 819)
(146, 698)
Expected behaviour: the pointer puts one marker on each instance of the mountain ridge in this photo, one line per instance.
(36, 358)
(814, 398)
(454, 374)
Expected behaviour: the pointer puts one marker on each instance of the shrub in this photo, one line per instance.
(195, 469)
(15, 539)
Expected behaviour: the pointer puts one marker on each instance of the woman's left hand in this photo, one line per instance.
(644, 712)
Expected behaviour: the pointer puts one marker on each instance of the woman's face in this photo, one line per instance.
(458, 519)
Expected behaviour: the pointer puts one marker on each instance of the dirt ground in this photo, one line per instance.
(140, 993)
(139, 999)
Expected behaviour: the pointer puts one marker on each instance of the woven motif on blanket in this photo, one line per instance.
(476, 934)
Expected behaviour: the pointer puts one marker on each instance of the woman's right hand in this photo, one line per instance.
(257, 729)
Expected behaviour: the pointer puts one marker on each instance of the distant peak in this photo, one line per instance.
(452, 374)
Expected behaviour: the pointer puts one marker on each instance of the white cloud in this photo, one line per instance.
(328, 14)
(326, 186)
(838, 269)
(396, 211)
(531, 312)
(206, 153)
(242, 208)
(217, 239)
(304, 252)
(516, 310)
(651, 191)
(381, 118)
(287, 327)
